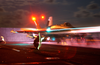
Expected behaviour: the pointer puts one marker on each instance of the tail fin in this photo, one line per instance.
(50, 22)
(37, 25)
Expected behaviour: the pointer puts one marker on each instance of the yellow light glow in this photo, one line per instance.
(42, 17)
(33, 18)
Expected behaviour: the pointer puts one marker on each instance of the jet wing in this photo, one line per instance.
(23, 30)
(42, 31)
(59, 31)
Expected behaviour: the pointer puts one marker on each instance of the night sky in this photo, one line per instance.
(79, 13)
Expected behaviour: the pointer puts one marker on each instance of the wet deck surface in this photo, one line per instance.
(24, 53)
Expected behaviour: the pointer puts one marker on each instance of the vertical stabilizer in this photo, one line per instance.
(50, 21)
(37, 25)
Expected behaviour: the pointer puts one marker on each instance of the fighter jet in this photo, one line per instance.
(48, 31)
(53, 31)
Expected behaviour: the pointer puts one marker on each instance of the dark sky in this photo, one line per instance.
(18, 13)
